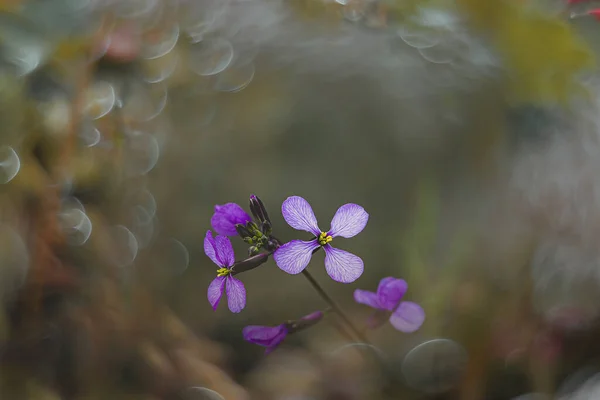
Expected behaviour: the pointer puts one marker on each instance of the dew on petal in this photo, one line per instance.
(201, 393)
(10, 164)
(210, 57)
(434, 366)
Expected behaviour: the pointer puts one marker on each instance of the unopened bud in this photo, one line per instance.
(304, 322)
(249, 263)
(258, 210)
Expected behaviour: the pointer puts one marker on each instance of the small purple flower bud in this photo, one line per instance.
(305, 322)
(258, 210)
(226, 217)
(249, 263)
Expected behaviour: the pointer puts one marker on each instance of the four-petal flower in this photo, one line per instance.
(294, 256)
(272, 336)
(405, 316)
(220, 251)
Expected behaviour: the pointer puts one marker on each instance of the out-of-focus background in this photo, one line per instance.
(468, 129)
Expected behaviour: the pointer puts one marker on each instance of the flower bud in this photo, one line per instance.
(304, 322)
(258, 210)
(249, 263)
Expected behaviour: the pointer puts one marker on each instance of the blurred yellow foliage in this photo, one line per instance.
(542, 53)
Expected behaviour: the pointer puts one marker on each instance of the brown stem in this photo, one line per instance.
(334, 307)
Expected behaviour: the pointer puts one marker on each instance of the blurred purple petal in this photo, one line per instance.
(342, 266)
(294, 256)
(236, 294)
(210, 249)
(215, 291)
(390, 292)
(267, 336)
(348, 221)
(315, 316)
(366, 297)
(408, 317)
(225, 218)
(299, 215)
(225, 251)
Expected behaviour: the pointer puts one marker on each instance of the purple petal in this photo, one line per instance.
(225, 251)
(267, 336)
(215, 291)
(342, 266)
(390, 292)
(314, 316)
(408, 317)
(299, 215)
(225, 218)
(348, 221)
(236, 294)
(366, 297)
(210, 249)
(294, 256)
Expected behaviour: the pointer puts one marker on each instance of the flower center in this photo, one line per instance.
(223, 272)
(324, 238)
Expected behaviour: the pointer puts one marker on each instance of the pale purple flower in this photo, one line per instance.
(272, 336)
(226, 217)
(294, 256)
(405, 316)
(220, 251)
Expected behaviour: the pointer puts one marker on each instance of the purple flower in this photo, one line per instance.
(226, 217)
(219, 250)
(294, 256)
(266, 336)
(405, 316)
(272, 336)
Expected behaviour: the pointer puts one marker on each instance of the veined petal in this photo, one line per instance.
(215, 291)
(366, 297)
(342, 266)
(225, 251)
(266, 336)
(294, 256)
(299, 215)
(236, 294)
(390, 291)
(210, 249)
(226, 216)
(408, 317)
(348, 221)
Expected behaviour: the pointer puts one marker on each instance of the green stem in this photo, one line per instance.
(334, 307)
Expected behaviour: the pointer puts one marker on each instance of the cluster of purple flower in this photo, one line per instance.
(293, 257)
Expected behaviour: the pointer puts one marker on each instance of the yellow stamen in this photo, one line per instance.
(223, 272)
(324, 239)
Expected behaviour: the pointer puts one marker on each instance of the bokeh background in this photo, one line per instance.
(467, 129)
